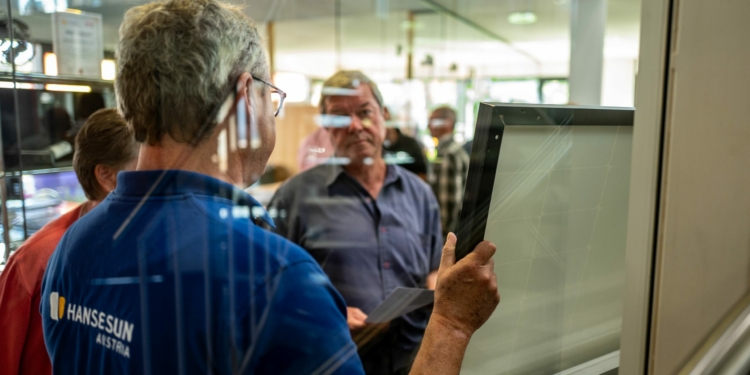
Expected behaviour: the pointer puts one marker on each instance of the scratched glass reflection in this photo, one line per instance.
(558, 216)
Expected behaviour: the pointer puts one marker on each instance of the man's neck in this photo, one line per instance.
(169, 154)
(447, 136)
(87, 206)
(370, 176)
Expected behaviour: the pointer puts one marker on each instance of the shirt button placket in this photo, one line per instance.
(386, 264)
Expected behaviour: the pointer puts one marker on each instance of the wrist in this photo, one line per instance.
(456, 330)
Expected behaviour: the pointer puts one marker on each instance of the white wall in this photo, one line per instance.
(703, 251)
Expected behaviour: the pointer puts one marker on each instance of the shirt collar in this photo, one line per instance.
(333, 171)
(176, 182)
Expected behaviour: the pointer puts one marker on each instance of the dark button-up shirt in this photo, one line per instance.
(368, 247)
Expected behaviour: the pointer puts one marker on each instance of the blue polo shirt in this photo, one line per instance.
(367, 247)
(169, 275)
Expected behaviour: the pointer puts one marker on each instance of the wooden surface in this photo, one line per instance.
(295, 122)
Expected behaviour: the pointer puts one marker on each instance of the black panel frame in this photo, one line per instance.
(488, 137)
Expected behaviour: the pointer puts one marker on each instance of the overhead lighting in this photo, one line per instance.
(522, 18)
(109, 70)
(9, 85)
(406, 25)
(50, 64)
(47, 6)
(67, 88)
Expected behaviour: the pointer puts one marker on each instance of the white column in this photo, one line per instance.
(588, 19)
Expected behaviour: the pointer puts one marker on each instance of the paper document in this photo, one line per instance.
(400, 302)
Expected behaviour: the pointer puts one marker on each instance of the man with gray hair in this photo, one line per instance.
(371, 226)
(169, 275)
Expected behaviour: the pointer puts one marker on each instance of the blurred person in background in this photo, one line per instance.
(172, 257)
(371, 226)
(57, 130)
(399, 144)
(450, 168)
(105, 146)
(59, 125)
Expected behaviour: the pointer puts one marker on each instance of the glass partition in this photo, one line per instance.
(41, 110)
(558, 215)
(559, 194)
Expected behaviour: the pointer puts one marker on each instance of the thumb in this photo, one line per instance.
(483, 253)
(449, 252)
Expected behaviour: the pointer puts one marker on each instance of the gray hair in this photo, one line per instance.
(348, 79)
(177, 59)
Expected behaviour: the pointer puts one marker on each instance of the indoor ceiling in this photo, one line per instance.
(373, 32)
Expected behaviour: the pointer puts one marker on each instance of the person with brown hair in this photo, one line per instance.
(105, 146)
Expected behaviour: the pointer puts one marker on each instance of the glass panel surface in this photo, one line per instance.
(559, 218)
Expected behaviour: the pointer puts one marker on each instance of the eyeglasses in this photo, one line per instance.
(277, 95)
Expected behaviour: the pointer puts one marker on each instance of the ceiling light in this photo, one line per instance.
(522, 18)
(29, 7)
(109, 70)
(406, 25)
(25, 86)
(67, 88)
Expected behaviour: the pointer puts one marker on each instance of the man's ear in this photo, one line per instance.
(244, 90)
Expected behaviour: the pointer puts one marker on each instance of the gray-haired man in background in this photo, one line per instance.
(371, 226)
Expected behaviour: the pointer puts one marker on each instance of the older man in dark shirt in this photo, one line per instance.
(371, 226)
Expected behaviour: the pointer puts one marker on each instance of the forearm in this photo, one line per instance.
(442, 349)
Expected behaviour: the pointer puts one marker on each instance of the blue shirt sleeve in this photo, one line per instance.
(306, 332)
